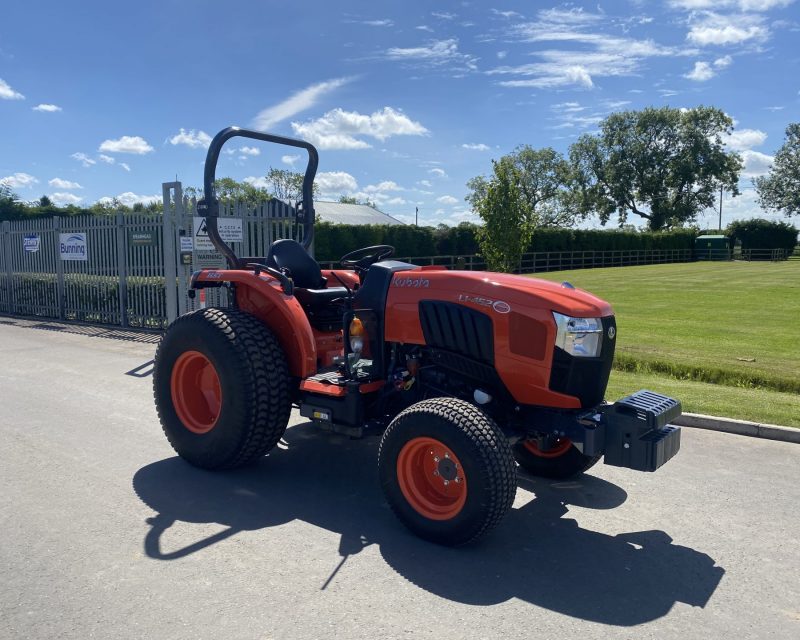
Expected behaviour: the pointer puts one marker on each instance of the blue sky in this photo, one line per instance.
(405, 100)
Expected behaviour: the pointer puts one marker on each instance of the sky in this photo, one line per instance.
(406, 101)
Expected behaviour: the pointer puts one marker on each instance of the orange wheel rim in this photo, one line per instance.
(562, 445)
(196, 392)
(431, 478)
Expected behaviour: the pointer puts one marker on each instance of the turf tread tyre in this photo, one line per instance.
(255, 379)
(482, 448)
(568, 465)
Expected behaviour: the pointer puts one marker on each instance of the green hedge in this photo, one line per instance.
(331, 241)
(763, 234)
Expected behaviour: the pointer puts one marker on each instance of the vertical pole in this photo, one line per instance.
(6, 247)
(122, 269)
(168, 245)
(59, 266)
(720, 208)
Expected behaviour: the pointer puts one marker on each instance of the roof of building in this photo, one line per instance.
(343, 213)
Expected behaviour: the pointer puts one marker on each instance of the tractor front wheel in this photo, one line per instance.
(560, 459)
(221, 386)
(447, 471)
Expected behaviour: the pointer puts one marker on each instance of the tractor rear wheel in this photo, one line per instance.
(447, 471)
(221, 386)
(560, 460)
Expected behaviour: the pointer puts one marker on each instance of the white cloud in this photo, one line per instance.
(756, 163)
(745, 139)
(425, 183)
(743, 5)
(502, 54)
(65, 198)
(192, 139)
(7, 93)
(589, 53)
(378, 23)
(395, 201)
(250, 151)
(444, 15)
(337, 129)
(294, 104)
(475, 147)
(49, 108)
(125, 166)
(129, 199)
(723, 62)
(447, 200)
(85, 160)
(386, 185)
(106, 159)
(290, 159)
(506, 14)
(126, 144)
(335, 182)
(439, 173)
(258, 183)
(58, 183)
(709, 28)
(19, 181)
(424, 27)
(702, 71)
(436, 53)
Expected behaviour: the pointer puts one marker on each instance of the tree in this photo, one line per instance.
(354, 200)
(665, 165)
(11, 208)
(544, 177)
(780, 189)
(285, 184)
(507, 216)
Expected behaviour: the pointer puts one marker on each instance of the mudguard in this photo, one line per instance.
(262, 296)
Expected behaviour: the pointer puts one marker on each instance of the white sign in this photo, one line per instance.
(186, 244)
(230, 230)
(72, 246)
(31, 242)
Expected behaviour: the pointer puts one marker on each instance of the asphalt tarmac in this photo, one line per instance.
(105, 533)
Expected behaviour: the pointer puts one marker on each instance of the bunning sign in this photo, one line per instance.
(142, 238)
(72, 246)
(31, 242)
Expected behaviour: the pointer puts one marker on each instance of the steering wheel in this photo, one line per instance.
(360, 259)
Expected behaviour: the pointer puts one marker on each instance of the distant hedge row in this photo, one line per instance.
(763, 234)
(331, 241)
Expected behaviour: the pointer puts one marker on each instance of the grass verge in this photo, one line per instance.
(758, 405)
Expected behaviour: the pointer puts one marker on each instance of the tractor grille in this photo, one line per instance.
(457, 328)
(584, 378)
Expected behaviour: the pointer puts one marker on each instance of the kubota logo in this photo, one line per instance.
(400, 281)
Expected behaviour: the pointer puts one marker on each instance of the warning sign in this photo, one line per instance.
(230, 230)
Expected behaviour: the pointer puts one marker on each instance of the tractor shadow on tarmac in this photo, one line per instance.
(538, 554)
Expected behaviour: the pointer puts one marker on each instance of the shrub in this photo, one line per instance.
(763, 234)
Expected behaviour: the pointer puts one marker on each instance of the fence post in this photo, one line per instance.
(6, 248)
(168, 242)
(122, 268)
(60, 293)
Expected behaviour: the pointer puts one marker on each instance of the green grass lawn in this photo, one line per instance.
(734, 324)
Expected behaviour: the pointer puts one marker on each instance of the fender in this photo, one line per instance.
(261, 295)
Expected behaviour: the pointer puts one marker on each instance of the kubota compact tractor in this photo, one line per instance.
(459, 372)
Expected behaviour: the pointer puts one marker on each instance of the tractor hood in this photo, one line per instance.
(500, 287)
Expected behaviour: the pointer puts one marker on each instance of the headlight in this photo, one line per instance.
(356, 335)
(581, 337)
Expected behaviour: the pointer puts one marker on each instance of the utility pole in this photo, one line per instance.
(720, 208)
(416, 216)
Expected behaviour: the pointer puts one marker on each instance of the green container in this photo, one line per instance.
(712, 248)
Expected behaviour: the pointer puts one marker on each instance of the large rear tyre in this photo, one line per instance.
(560, 460)
(221, 386)
(447, 471)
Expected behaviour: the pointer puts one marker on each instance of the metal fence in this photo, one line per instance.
(133, 270)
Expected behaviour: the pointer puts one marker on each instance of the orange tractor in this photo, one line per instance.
(460, 373)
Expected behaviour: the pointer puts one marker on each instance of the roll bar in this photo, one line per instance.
(208, 206)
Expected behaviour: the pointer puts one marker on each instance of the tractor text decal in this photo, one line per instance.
(400, 281)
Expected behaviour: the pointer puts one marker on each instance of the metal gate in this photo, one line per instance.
(189, 250)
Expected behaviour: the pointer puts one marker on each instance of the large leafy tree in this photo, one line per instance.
(665, 165)
(780, 189)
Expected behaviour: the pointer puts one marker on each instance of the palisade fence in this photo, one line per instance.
(133, 269)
